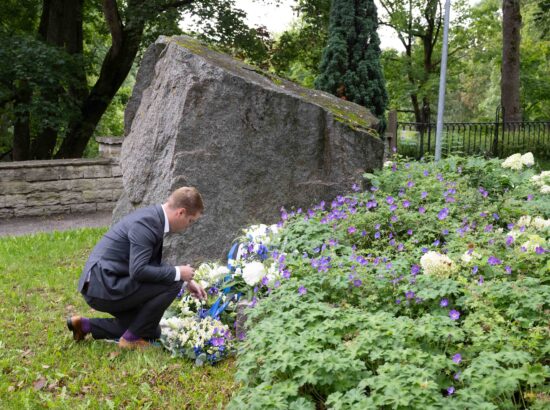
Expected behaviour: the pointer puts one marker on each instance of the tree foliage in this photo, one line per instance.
(350, 67)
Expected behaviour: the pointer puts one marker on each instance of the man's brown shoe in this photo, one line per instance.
(138, 344)
(74, 323)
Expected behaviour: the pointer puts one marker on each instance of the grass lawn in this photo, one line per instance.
(42, 367)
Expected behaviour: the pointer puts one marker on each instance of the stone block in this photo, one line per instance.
(13, 201)
(106, 206)
(43, 199)
(5, 213)
(15, 187)
(97, 171)
(42, 210)
(116, 171)
(83, 208)
(42, 173)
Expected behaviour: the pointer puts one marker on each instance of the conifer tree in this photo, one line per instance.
(350, 68)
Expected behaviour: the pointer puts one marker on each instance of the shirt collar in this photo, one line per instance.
(166, 223)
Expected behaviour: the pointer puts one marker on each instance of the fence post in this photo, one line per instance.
(494, 149)
(391, 131)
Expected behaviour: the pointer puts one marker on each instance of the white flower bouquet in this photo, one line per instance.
(204, 340)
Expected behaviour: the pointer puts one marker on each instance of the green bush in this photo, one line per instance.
(375, 315)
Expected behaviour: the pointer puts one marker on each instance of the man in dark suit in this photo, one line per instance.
(124, 275)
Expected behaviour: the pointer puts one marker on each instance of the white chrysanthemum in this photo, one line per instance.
(528, 159)
(388, 164)
(513, 162)
(436, 264)
(545, 189)
(253, 273)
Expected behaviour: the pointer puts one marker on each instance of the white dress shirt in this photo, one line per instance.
(166, 230)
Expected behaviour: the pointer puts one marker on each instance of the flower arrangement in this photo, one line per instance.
(204, 340)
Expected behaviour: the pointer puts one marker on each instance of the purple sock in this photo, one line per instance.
(129, 336)
(85, 324)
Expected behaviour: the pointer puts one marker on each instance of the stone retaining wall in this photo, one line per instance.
(37, 188)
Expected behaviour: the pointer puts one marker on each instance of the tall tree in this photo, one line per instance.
(510, 71)
(52, 102)
(350, 67)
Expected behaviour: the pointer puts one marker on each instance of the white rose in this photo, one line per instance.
(528, 160)
(253, 272)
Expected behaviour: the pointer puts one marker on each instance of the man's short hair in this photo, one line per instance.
(188, 198)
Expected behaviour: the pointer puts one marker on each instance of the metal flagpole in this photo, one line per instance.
(442, 79)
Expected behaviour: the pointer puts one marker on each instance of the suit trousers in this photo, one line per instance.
(139, 312)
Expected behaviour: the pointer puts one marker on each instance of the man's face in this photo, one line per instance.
(183, 220)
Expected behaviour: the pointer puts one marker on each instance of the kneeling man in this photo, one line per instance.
(124, 275)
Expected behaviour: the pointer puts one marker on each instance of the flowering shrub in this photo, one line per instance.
(428, 290)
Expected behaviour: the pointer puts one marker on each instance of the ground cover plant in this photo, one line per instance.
(42, 367)
(429, 289)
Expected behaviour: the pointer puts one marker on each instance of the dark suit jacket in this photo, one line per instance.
(128, 256)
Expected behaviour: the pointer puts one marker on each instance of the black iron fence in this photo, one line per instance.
(491, 139)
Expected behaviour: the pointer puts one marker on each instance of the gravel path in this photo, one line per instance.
(29, 225)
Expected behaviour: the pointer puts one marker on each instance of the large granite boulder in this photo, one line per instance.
(249, 141)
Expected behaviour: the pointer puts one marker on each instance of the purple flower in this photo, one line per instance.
(508, 269)
(410, 232)
(444, 213)
(424, 194)
(410, 184)
(539, 250)
(377, 235)
(415, 269)
(509, 240)
(488, 228)
(457, 358)
(454, 314)
(457, 375)
(496, 217)
(444, 303)
(409, 294)
(406, 203)
(393, 207)
(440, 177)
(398, 301)
(351, 229)
(389, 200)
(421, 210)
(493, 260)
(480, 281)
(286, 274)
(510, 226)
(364, 233)
(357, 283)
(426, 173)
(302, 290)
(530, 197)
(475, 269)
(450, 390)
(355, 188)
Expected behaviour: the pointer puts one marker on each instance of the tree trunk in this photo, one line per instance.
(115, 68)
(511, 37)
(21, 128)
(61, 25)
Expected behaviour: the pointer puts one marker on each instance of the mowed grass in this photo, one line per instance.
(42, 367)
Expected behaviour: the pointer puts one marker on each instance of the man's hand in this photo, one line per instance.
(187, 273)
(196, 290)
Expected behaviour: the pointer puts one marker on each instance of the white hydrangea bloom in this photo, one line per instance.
(528, 159)
(533, 243)
(545, 189)
(436, 264)
(253, 272)
(388, 164)
(540, 223)
(513, 162)
(525, 220)
(468, 256)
